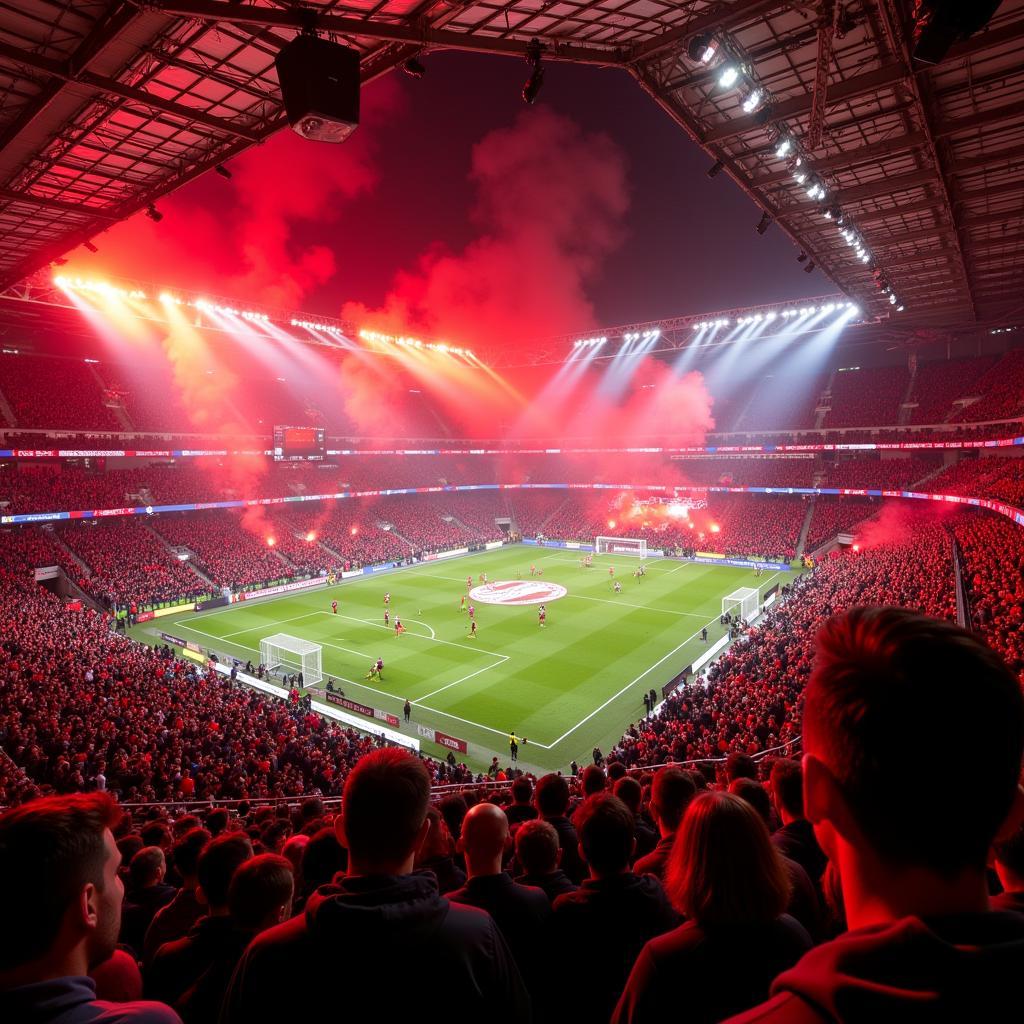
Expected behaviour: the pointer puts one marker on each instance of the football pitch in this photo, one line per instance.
(572, 685)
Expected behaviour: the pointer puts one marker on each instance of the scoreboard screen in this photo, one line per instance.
(299, 444)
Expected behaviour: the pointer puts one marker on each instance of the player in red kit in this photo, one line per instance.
(387, 599)
(542, 615)
(387, 617)
(472, 612)
(469, 582)
(462, 607)
(472, 629)
(399, 628)
(334, 607)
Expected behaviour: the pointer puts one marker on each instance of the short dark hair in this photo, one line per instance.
(740, 766)
(672, 791)
(218, 864)
(616, 770)
(146, 866)
(594, 780)
(156, 833)
(322, 859)
(259, 886)
(787, 780)
(887, 687)
(723, 869)
(217, 820)
(187, 850)
(522, 790)
(605, 827)
(552, 795)
(385, 804)
(312, 807)
(630, 792)
(756, 795)
(453, 809)
(49, 850)
(537, 847)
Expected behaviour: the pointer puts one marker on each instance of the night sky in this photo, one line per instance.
(313, 227)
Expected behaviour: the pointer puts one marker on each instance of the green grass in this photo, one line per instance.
(575, 684)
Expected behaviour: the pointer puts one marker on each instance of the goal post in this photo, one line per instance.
(294, 654)
(746, 599)
(631, 546)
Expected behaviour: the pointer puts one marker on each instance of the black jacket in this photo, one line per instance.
(139, 909)
(721, 972)
(407, 952)
(656, 861)
(569, 841)
(797, 842)
(554, 883)
(177, 965)
(522, 914)
(599, 931)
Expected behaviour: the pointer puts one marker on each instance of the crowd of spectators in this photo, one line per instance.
(990, 476)
(1001, 391)
(939, 383)
(867, 397)
(754, 524)
(831, 516)
(778, 892)
(59, 393)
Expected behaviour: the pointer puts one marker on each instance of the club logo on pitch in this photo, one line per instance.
(517, 592)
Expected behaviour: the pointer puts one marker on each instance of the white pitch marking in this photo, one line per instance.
(265, 625)
(422, 636)
(642, 607)
(614, 696)
(447, 686)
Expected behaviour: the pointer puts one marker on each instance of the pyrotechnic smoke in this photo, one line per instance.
(898, 522)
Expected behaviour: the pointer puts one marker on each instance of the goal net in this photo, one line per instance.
(744, 601)
(622, 546)
(292, 654)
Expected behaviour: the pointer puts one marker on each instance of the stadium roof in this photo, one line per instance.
(110, 104)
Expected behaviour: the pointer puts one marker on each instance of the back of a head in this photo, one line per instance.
(323, 858)
(312, 808)
(616, 770)
(630, 792)
(671, 793)
(187, 850)
(147, 867)
(294, 849)
(787, 780)
(217, 821)
(594, 780)
(484, 832)
(889, 689)
(218, 864)
(453, 809)
(384, 805)
(537, 847)
(522, 790)
(723, 869)
(49, 850)
(756, 795)
(259, 889)
(552, 795)
(605, 827)
(740, 766)
(156, 833)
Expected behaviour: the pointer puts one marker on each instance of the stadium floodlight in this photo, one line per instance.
(753, 100)
(729, 76)
(764, 223)
(715, 168)
(154, 214)
(784, 146)
(702, 48)
(284, 652)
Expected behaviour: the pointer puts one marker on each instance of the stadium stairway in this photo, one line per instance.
(802, 539)
(193, 560)
(72, 554)
(6, 411)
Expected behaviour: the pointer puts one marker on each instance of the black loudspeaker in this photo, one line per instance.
(320, 87)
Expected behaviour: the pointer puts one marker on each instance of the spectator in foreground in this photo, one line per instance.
(322, 859)
(437, 854)
(178, 965)
(601, 928)
(521, 912)
(521, 809)
(390, 928)
(260, 897)
(910, 848)
(173, 920)
(147, 893)
(63, 915)
(728, 881)
(538, 855)
(795, 837)
(671, 793)
(1009, 864)
(552, 799)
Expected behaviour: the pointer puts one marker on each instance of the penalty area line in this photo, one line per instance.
(448, 686)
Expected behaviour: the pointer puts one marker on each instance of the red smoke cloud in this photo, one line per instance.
(550, 203)
(899, 521)
(240, 237)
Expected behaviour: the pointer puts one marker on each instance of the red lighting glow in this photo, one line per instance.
(715, 528)
(271, 541)
(354, 530)
(856, 547)
(311, 536)
(611, 524)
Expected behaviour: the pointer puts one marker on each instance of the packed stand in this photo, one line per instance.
(937, 385)
(752, 524)
(56, 393)
(1001, 390)
(985, 477)
(130, 567)
(877, 473)
(832, 516)
(867, 397)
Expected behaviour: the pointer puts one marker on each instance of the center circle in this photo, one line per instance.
(517, 592)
